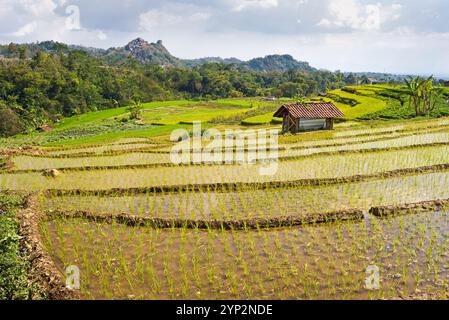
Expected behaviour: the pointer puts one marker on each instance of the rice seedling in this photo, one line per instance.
(330, 266)
(159, 231)
(256, 203)
(100, 149)
(128, 159)
(322, 167)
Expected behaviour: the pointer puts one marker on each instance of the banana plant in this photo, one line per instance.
(413, 88)
(423, 96)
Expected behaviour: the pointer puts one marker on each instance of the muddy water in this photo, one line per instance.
(320, 262)
(39, 163)
(318, 168)
(101, 149)
(265, 203)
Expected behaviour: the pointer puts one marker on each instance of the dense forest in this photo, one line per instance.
(46, 86)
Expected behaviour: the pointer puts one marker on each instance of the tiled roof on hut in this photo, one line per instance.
(321, 110)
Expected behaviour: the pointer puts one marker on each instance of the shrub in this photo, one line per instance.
(9, 122)
(135, 111)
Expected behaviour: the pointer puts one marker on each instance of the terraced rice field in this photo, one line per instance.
(322, 167)
(102, 149)
(364, 104)
(140, 227)
(260, 203)
(171, 115)
(140, 157)
(134, 158)
(323, 262)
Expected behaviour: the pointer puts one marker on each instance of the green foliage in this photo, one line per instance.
(13, 265)
(53, 85)
(135, 111)
(398, 107)
(10, 123)
(423, 96)
(3, 163)
(278, 62)
(396, 110)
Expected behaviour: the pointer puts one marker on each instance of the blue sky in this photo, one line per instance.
(352, 35)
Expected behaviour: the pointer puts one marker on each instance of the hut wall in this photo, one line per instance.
(312, 124)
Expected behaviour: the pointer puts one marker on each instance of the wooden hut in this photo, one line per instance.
(302, 117)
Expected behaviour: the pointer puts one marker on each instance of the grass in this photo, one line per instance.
(262, 119)
(99, 116)
(150, 132)
(188, 115)
(397, 110)
(248, 102)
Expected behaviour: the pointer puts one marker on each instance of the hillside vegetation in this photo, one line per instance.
(45, 82)
(359, 103)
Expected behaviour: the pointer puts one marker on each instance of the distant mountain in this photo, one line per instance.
(278, 63)
(143, 52)
(382, 77)
(198, 62)
(269, 63)
(155, 53)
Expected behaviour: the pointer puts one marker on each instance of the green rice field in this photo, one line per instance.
(107, 198)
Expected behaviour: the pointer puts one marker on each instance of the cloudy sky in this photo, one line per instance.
(401, 36)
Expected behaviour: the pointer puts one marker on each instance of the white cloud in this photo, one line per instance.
(38, 8)
(378, 35)
(101, 35)
(32, 20)
(240, 5)
(154, 19)
(26, 29)
(354, 15)
(324, 22)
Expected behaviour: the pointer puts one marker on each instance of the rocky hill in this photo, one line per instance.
(143, 52)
